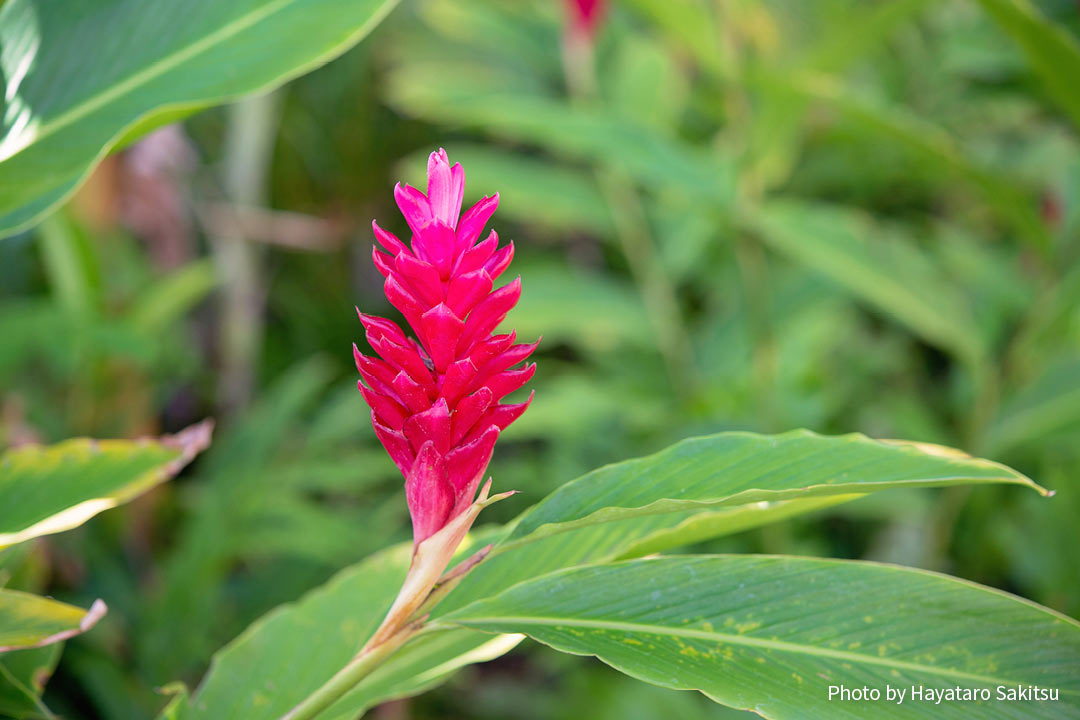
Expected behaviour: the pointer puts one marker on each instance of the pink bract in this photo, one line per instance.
(435, 400)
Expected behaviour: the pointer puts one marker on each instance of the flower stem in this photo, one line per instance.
(347, 677)
(249, 146)
(425, 584)
(657, 290)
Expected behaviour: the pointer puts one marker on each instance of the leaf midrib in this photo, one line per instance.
(748, 641)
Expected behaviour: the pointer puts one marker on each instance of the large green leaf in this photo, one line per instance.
(49, 489)
(736, 468)
(28, 621)
(360, 595)
(80, 76)
(687, 528)
(773, 634)
(711, 485)
(704, 488)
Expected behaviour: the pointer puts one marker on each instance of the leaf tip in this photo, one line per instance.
(190, 442)
(97, 611)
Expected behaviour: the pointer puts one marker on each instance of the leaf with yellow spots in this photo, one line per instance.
(948, 632)
(46, 490)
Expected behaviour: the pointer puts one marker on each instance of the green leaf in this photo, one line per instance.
(774, 133)
(29, 621)
(23, 674)
(361, 594)
(46, 490)
(884, 268)
(290, 652)
(705, 488)
(1054, 54)
(918, 136)
(558, 533)
(772, 634)
(66, 106)
(73, 268)
(696, 526)
(737, 469)
(647, 84)
(1049, 405)
(592, 134)
(552, 308)
(423, 663)
(691, 25)
(170, 297)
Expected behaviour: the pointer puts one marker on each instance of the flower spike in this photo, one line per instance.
(435, 401)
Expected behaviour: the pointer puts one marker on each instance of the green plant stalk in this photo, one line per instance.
(987, 383)
(656, 288)
(631, 231)
(753, 268)
(249, 146)
(425, 584)
(365, 662)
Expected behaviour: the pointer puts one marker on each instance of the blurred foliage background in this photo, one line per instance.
(729, 214)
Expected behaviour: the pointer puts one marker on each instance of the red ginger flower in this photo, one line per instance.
(435, 403)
